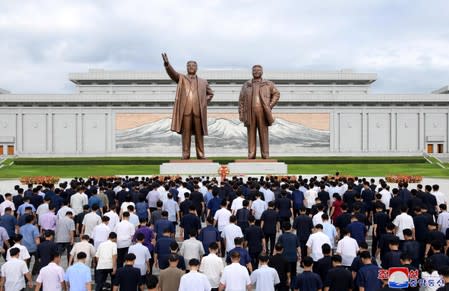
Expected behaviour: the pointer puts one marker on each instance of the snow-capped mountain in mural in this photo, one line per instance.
(224, 134)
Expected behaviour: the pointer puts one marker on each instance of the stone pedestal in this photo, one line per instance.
(189, 167)
(259, 167)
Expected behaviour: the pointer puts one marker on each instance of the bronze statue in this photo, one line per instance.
(257, 98)
(190, 109)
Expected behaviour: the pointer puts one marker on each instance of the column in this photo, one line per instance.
(331, 131)
(421, 135)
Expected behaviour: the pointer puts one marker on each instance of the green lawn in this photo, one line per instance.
(104, 166)
(376, 170)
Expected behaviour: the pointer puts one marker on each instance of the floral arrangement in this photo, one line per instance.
(102, 178)
(403, 178)
(39, 180)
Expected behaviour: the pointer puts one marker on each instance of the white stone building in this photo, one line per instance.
(128, 113)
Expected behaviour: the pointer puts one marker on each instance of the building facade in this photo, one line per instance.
(129, 113)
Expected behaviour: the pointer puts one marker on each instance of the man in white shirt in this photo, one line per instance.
(13, 272)
(309, 198)
(230, 232)
(386, 196)
(172, 208)
(181, 191)
(268, 195)
(85, 247)
(192, 248)
(235, 276)
(258, 207)
(222, 216)
(347, 248)
(63, 210)
(101, 232)
(78, 200)
(212, 266)
(125, 231)
(24, 254)
(440, 197)
(315, 241)
(265, 278)
(443, 219)
(7, 203)
(237, 203)
(106, 261)
(194, 281)
(114, 219)
(51, 277)
(403, 221)
(316, 219)
(90, 220)
(143, 256)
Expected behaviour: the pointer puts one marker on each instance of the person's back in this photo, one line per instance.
(208, 235)
(235, 276)
(308, 280)
(265, 277)
(194, 280)
(170, 277)
(127, 277)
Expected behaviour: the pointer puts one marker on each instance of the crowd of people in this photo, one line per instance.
(196, 233)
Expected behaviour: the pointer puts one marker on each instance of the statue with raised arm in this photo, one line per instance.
(257, 98)
(190, 109)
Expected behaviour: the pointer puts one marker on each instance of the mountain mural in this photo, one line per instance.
(225, 136)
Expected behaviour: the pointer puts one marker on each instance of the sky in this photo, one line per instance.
(405, 42)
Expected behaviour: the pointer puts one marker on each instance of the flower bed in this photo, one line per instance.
(403, 178)
(39, 180)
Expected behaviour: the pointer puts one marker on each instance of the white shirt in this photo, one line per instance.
(100, 234)
(23, 255)
(265, 278)
(142, 256)
(235, 277)
(347, 247)
(309, 198)
(403, 221)
(194, 281)
(51, 277)
(77, 201)
(222, 217)
(386, 196)
(113, 219)
(258, 207)
(87, 248)
(315, 241)
(317, 218)
(5, 204)
(229, 233)
(63, 211)
(181, 192)
(212, 266)
(42, 209)
(125, 231)
(124, 206)
(90, 220)
(14, 271)
(268, 195)
(237, 204)
(191, 249)
(443, 221)
(104, 254)
(440, 197)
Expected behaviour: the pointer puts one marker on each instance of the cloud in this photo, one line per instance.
(43, 41)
